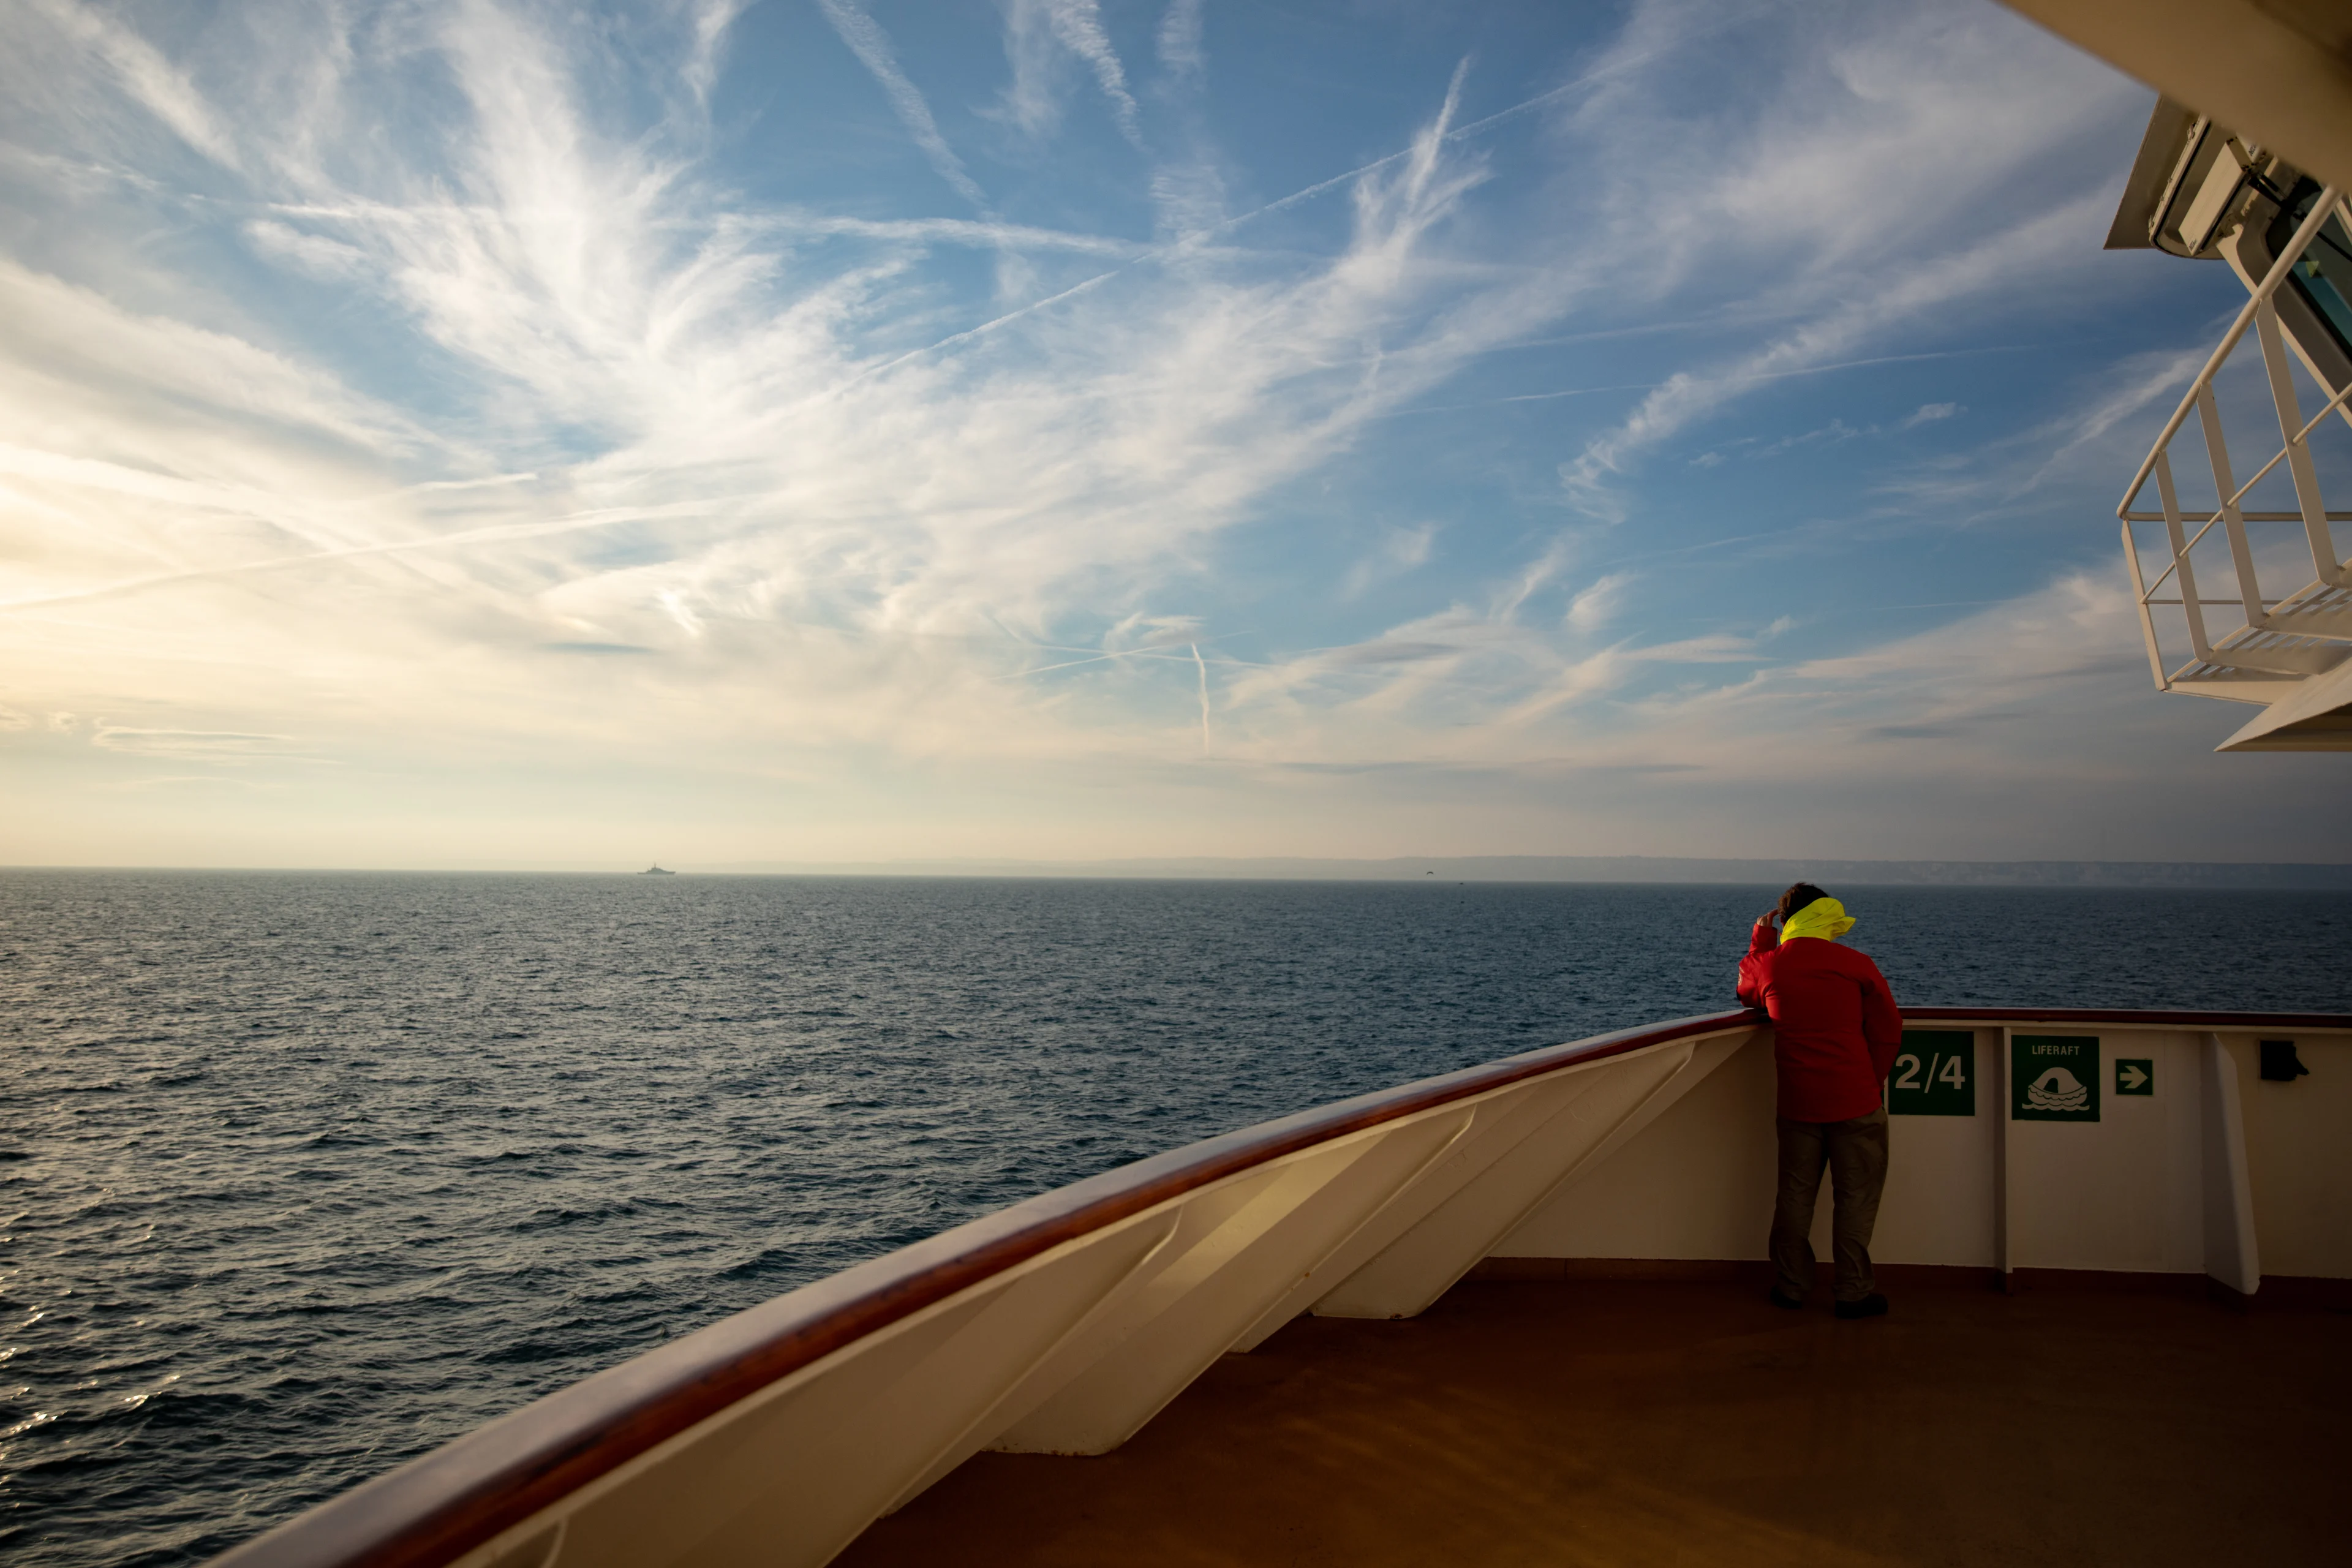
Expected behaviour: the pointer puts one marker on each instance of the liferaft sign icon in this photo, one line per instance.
(2054, 1078)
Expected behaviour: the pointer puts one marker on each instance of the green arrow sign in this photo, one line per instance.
(2135, 1075)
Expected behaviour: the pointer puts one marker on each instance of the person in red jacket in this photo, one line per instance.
(1835, 1030)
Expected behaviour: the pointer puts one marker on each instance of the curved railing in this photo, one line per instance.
(1060, 1324)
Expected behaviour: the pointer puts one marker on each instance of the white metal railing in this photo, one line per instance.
(1064, 1323)
(1060, 1325)
(2282, 640)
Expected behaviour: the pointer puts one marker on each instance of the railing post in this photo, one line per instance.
(2299, 454)
(2190, 605)
(2233, 1254)
(2004, 1263)
(2146, 621)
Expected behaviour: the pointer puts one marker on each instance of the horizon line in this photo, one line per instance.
(1529, 867)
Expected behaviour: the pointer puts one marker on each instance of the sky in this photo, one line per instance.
(489, 434)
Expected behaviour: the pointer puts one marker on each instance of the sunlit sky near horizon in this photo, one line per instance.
(494, 434)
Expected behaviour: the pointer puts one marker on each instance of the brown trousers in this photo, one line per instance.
(1855, 1153)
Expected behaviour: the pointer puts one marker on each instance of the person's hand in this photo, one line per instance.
(1768, 917)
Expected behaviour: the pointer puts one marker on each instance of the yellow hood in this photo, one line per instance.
(1823, 917)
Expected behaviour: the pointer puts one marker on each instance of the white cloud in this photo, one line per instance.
(1989, 689)
(1180, 38)
(2036, 245)
(154, 401)
(1719, 647)
(2136, 384)
(708, 23)
(188, 745)
(1893, 134)
(312, 253)
(1038, 35)
(143, 73)
(677, 437)
(1927, 414)
(1594, 605)
(1399, 551)
(638, 473)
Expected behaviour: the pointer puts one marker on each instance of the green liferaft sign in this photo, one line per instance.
(1935, 1074)
(2054, 1078)
(2135, 1075)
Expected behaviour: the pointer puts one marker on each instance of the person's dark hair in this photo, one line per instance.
(1798, 897)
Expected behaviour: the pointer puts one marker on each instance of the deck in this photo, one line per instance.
(1622, 1422)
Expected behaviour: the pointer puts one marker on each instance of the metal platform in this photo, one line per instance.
(2292, 657)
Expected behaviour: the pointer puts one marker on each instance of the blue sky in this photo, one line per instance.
(495, 434)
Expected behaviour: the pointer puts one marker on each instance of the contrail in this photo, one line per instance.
(871, 45)
(1203, 665)
(1588, 80)
(1150, 650)
(1732, 378)
(496, 533)
(1194, 241)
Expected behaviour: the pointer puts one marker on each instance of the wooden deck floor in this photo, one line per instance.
(1640, 1422)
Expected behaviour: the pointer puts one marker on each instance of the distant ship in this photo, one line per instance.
(2103, 1159)
(656, 871)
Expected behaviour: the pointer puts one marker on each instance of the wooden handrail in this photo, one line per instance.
(441, 1505)
(2145, 1018)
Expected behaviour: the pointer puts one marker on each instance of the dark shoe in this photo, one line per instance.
(1870, 1306)
(1786, 1304)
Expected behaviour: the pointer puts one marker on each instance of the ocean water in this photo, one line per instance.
(303, 1174)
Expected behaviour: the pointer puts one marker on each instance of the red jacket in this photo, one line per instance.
(1835, 1025)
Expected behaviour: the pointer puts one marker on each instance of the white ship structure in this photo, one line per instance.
(2201, 189)
(2150, 1192)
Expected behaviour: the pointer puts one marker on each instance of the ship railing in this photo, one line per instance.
(1063, 1324)
(2282, 641)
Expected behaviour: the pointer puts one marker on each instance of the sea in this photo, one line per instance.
(303, 1175)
